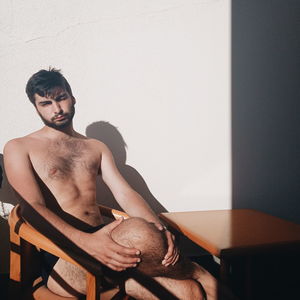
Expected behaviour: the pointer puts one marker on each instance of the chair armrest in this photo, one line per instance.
(39, 240)
(34, 237)
(112, 213)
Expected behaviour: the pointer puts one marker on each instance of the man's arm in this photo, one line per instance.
(21, 176)
(132, 202)
(129, 199)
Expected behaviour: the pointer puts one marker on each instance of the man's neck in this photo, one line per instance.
(59, 133)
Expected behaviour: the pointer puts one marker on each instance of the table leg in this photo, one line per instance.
(229, 279)
(248, 276)
(224, 271)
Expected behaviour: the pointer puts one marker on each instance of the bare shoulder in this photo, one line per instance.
(15, 154)
(17, 144)
(20, 145)
(98, 145)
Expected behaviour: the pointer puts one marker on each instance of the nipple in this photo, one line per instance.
(53, 171)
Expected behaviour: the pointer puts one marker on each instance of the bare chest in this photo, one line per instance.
(66, 159)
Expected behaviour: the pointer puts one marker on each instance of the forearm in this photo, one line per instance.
(135, 206)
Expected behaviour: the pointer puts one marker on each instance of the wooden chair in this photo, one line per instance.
(25, 241)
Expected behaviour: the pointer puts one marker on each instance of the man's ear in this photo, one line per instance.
(73, 100)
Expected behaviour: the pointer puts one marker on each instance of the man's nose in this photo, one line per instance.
(57, 108)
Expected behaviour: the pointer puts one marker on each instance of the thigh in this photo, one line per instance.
(67, 279)
(177, 289)
(43, 293)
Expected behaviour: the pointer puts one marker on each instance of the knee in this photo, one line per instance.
(133, 230)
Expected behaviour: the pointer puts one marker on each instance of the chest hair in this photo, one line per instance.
(66, 157)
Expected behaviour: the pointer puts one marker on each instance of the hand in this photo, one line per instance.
(111, 254)
(172, 255)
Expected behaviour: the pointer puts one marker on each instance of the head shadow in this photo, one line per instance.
(110, 136)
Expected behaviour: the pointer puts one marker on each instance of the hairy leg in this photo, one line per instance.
(75, 277)
(67, 279)
(153, 246)
(43, 293)
(178, 289)
(144, 236)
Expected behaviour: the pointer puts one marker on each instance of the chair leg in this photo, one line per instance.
(23, 265)
(14, 287)
(30, 263)
(92, 287)
(15, 257)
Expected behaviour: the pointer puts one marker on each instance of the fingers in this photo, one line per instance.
(110, 253)
(160, 227)
(113, 267)
(118, 248)
(171, 246)
(119, 256)
(118, 262)
(172, 255)
(122, 257)
(173, 259)
(124, 251)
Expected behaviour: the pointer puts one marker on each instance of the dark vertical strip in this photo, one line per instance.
(266, 106)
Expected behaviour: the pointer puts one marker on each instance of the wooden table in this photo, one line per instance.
(227, 233)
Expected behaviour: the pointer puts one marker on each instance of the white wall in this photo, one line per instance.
(158, 70)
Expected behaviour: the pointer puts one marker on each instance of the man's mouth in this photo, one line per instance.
(59, 118)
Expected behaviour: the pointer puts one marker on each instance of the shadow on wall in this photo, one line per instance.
(6, 196)
(266, 107)
(109, 135)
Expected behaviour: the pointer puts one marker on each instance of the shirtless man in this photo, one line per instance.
(67, 163)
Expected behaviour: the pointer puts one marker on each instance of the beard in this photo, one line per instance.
(60, 124)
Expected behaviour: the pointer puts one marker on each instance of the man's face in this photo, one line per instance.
(57, 110)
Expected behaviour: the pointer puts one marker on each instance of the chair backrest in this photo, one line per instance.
(25, 240)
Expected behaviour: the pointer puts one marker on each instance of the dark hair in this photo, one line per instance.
(45, 82)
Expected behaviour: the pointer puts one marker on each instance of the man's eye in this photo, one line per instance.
(63, 97)
(44, 103)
